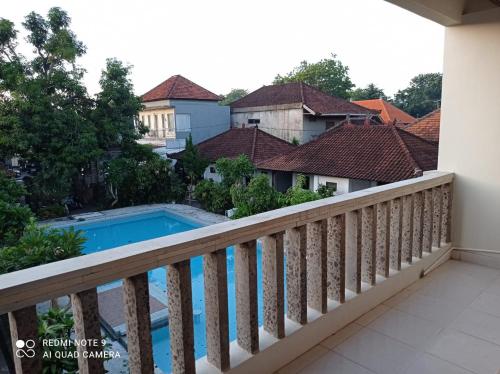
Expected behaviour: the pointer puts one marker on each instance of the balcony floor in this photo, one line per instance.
(447, 322)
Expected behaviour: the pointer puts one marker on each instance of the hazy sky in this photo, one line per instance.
(243, 44)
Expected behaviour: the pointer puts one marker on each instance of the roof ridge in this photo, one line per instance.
(302, 92)
(176, 77)
(254, 143)
(424, 117)
(403, 145)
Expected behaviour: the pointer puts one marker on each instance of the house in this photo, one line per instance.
(177, 108)
(353, 157)
(427, 127)
(256, 144)
(294, 111)
(388, 112)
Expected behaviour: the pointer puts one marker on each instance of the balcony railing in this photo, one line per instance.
(344, 255)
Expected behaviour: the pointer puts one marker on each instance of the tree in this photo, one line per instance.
(233, 95)
(422, 96)
(329, 75)
(44, 105)
(193, 163)
(259, 196)
(234, 170)
(369, 92)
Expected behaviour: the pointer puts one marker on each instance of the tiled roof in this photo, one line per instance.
(378, 153)
(388, 112)
(427, 127)
(256, 144)
(178, 87)
(300, 93)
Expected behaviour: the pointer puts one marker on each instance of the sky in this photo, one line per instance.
(225, 44)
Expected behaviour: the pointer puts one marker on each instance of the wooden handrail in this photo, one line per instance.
(30, 286)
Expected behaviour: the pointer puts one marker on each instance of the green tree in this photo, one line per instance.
(234, 170)
(259, 196)
(298, 194)
(422, 96)
(212, 196)
(233, 95)
(329, 75)
(193, 163)
(45, 106)
(369, 92)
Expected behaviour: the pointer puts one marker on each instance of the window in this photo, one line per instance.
(332, 186)
(183, 122)
(149, 121)
(142, 121)
(171, 122)
(253, 121)
(156, 121)
(212, 170)
(163, 125)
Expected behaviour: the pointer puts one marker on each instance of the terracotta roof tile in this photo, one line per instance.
(388, 112)
(371, 152)
(299, 93)
(178, 87)
(256, 144)
(427, 127)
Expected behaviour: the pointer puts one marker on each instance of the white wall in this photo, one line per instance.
(470, 132)
(216, 177)
(342, 183)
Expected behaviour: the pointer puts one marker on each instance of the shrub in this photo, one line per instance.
(259, 196)
(325, 191)
(212, 196)
(297, 194)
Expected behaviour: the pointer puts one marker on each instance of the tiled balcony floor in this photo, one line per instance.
(447, 322)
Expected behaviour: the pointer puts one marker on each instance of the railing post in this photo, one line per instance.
(273, 284)
(383, 239)
(87, 326)
(447, 195)
(180, 317)
(25, 346)
(427, 222)
(247, 324)
(316, 266)
(418, 215)
(368, 245)
(296, 273)
(436, 217)
(137, 316)
(353, 251)
(336, 258)
(216, 310)
(407, 229)
(395, 234)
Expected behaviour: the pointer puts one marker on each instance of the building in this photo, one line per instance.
(294, 111)
(177, 108)
(256, 144)
(387, 112)
(427, 127)
(353, 157)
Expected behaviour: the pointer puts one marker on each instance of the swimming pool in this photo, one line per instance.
(114, 232)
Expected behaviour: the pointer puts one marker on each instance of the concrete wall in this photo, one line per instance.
(207, 118)
(285, 123)
(470, 132)
(209, 174)
(342, 183)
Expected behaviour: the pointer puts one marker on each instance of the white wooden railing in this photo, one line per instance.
(352, 244)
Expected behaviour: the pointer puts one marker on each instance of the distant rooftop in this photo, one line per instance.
(388, 112)
(178, 87)
(378, 153)
(300, 93)
(427, 127)
(256, 144)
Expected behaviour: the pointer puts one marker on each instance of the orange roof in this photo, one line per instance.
(427, 127)
(178, 87)
(388, 112)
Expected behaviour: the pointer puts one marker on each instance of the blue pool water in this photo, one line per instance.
(112, 233)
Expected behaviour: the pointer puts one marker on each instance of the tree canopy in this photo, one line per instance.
(233, 95)
(422, 96)
(371, 91)
(329, 75)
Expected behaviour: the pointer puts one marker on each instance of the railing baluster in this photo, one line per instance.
(436, 217)
(368, 245)
(395, 234)
(296, 273)
(137, 315)
(353, 251)
(247, 324)
(316, 266)
(273, 284)
(336, 258)
(24, 327)
(180, 317)
(446, 213)
(383, 239)
(418, 215)
(87, 326)
(427, 222)
(407, 229)
(216, 310)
